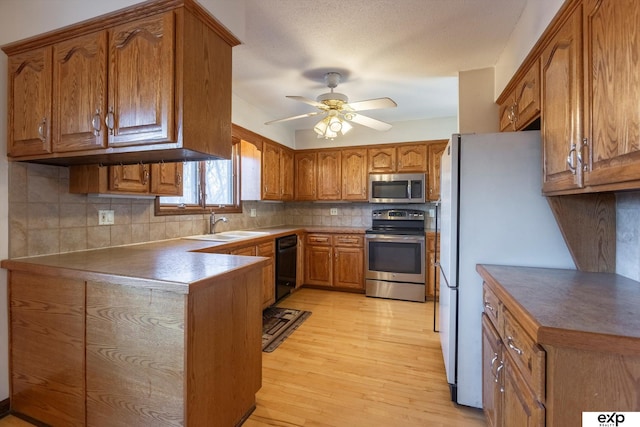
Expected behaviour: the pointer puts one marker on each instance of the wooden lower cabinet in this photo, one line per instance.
(268, 250)
(433, 271)
(107, 354)
(334, 260)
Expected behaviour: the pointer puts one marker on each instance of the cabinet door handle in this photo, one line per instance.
(496, 379)
(42, 126)
(145, 174)
(512, 346)
(178, 179)
(570, 163)
(489, 307)
(95, 123)
(109, 120)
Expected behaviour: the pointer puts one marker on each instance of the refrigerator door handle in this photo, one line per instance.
(444, 276)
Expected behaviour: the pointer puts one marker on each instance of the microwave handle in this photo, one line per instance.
(409, 188)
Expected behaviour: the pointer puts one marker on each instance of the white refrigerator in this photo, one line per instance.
(492, 212)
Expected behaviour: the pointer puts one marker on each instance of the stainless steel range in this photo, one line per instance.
(395, 255)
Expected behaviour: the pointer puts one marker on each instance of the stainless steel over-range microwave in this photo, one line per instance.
(397, 188)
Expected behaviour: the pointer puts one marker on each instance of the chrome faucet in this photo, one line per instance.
(213, 221)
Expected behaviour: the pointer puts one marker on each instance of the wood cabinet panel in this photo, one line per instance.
(141, 88)
(166, 179)
(287, 179)
(30, 80)
(348, 267)
(492, 381)
(80, 92)
(319, 265)
(435, 151)
(268, 273)
(562, 106)
(135, 355)
(520, 407)
(334, 260)
(433, 271)
(412, 158)
(527, 97)
(306, 175)
(329, 175)
(382, 159)
(129, 178)
(270, 171)
(612, 88)
(354, 174)
(47, 335)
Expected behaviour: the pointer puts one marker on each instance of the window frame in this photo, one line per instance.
(202, 208)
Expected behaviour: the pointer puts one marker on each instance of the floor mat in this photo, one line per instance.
(278, 323)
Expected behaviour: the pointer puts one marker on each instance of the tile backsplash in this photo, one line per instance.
(44, 218)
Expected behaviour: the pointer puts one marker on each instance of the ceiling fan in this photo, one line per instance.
(337, 112)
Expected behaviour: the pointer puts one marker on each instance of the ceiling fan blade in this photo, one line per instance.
(372, 104)
(371, 123)
(308, 101)
(301, 116)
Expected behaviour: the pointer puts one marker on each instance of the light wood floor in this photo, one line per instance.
(356, 361)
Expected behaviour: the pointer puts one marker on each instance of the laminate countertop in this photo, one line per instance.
(569, 308)
(177, 265)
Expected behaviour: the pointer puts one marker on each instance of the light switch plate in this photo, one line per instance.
(253, 213)
(105, 217)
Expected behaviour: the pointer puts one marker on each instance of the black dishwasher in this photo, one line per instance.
(286, 259)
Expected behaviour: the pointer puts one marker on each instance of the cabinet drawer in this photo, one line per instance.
(350, 240)
(492, 308)
(319, 239)
(528, 356)
(266, 249)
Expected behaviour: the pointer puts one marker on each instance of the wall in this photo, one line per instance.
(477, 111)
(410, 130)
(535, 18)
(628, 235)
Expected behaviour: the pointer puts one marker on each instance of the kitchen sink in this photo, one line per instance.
(227, 236)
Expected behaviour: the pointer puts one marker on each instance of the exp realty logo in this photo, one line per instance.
(611, 419)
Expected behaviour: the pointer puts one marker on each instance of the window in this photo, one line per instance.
(207, 185)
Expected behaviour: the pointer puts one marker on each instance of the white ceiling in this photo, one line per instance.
(408, 50)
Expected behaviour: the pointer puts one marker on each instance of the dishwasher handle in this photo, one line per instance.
(286, 242)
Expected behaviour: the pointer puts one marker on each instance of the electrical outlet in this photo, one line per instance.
(432, 213)
(253, 213)
(334, 211)
(105, 217)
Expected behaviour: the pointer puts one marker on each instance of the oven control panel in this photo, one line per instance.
(399, 214)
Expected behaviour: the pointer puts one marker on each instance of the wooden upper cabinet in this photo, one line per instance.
(305, 173)
(612, 91)
(562, 106)
(30, 77)
(129, 178)
(354, 174)
(166, 179)
(435, 151)
(276, 172)
(287, 180)
(141, 81)
(398, 158)
(329, 173)
(150, 84)
(527, 97)
(382, 159)
(412, 158)
(80, 93)
(522, 105)
(162, 179)
(270, 171)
